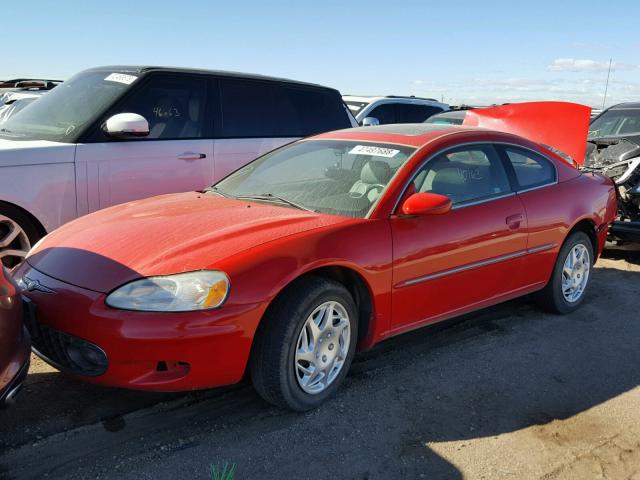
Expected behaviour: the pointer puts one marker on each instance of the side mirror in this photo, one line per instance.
(126, 125)
(370, 121)
(426, 204)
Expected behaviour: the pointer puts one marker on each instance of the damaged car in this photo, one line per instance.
(613, 149)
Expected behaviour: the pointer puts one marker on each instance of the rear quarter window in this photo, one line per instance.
(531, 170)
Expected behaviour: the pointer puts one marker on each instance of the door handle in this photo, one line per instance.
(191, 156)
(514, 221)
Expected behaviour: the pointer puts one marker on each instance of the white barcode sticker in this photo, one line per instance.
(375, 151)
(121, 78)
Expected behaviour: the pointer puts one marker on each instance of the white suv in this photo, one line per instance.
(110, 135)
(392, 109)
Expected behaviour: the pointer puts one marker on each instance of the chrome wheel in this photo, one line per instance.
(14, 242)
(322, 347)
(575, 273)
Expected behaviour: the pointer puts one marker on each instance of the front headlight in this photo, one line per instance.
(183, 292)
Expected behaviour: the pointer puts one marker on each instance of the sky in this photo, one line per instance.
(473, 52)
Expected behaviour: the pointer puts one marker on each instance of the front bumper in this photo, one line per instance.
(15, 372)
(142, 350)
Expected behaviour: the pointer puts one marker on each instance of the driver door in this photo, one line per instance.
(176, 156)
(446, 264)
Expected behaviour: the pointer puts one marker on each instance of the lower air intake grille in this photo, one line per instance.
(68, 352)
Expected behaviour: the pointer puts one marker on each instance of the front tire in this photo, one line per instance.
(571, 275)
(305, 344)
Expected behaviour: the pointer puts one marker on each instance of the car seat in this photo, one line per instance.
(191, 128)
(374, 176)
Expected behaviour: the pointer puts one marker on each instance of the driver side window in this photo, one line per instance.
(466, 174)
(174, 107)
(385, 113)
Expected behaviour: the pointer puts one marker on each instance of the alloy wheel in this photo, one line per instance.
(322, 347)
(14, 242)
(575, 273)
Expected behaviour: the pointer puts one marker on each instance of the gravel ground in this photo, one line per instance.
(507, 393)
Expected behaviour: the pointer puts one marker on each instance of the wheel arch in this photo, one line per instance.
(588, 226)
(352, 280)
(30, 216)
(357, 286)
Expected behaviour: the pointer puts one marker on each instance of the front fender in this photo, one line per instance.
(47, 192)
(259, 275)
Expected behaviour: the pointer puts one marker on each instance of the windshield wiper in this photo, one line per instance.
(270, 197)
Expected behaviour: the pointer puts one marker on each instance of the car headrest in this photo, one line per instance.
(375, 171)
(194, 109)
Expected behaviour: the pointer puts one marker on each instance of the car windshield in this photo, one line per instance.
(618, 122)
(450, 118)
(355, 107)
(59, 114)
(328, 176)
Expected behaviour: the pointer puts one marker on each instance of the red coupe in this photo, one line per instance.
(318, 249)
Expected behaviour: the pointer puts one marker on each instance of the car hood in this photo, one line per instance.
(563, 126)
(163, 235)
(34, 152)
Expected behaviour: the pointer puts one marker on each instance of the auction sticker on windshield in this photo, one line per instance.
(121, 78)
(375, 151)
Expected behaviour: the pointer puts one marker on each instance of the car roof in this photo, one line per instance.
(140, 69)
(388, 98)
(622, 106)
(409, 134)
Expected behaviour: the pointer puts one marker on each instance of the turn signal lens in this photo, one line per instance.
(217, 294)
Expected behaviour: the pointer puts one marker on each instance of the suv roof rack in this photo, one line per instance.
(411, 96)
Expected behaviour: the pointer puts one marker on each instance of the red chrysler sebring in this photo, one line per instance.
(320, 248)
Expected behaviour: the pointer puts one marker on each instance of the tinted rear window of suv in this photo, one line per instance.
(253, 108)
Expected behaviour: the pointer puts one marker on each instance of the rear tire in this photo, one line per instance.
(279, 368)
(17, 235)
(571, 276)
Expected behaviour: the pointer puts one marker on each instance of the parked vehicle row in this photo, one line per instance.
(282, 267)
(322, 247)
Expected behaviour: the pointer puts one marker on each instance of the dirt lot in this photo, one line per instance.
(509, 393)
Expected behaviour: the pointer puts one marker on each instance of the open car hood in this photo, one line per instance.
(563, 126)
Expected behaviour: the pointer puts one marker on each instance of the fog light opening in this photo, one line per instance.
(87, 358)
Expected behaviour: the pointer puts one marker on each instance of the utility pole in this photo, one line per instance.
(606, 86)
